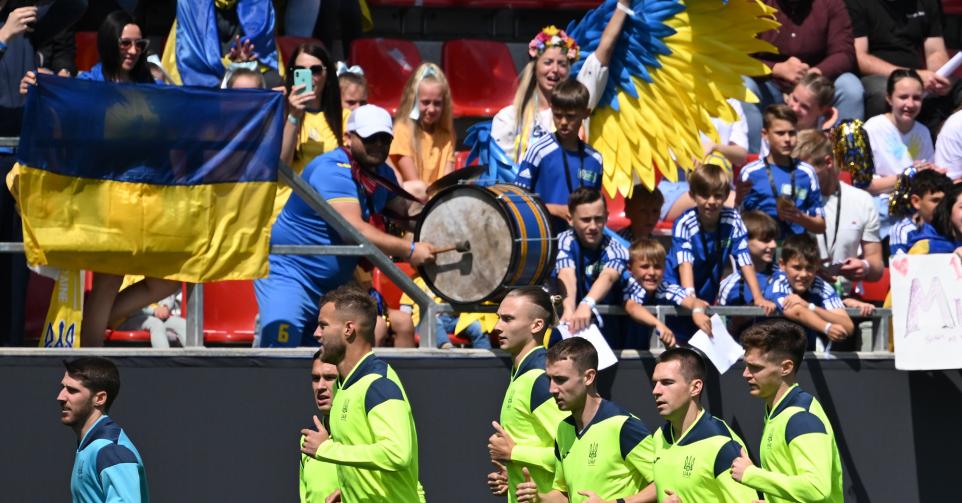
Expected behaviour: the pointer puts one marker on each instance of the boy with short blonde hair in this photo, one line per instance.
(705, 238)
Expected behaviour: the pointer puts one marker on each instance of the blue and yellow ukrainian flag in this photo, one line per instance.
(166, 182)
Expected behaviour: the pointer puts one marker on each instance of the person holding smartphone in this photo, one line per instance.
(315, 122)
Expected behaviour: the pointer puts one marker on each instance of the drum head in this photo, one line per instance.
(472, 214)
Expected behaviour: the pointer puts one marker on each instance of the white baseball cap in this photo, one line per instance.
(369, 120)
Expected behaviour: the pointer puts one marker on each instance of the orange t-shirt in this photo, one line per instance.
(435, 150)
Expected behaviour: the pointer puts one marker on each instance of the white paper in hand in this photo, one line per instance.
(720, 348)
(606, 357)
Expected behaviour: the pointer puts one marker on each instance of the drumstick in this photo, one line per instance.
(463, 247)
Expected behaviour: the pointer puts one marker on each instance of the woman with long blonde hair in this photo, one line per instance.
(423, 146)
(552, 53)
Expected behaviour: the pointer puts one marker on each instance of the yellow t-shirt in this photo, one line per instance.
(315, 138)
(436, 150)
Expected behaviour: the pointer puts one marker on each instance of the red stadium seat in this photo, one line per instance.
(387, 64)
(87, 55)
(616, 212)
(876, 291)
(126, 338)
(287, 44)
(461, 159)
(230, 309)
(481, 74)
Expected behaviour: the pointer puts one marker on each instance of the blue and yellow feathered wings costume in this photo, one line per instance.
(675, 64)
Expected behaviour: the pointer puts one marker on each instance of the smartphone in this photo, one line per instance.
(302, 76)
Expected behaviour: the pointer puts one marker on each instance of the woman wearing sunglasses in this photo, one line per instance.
(122, 50)
(315, 122)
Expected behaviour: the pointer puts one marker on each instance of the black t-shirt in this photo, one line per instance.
(896, 29)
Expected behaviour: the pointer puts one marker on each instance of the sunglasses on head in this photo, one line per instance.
(316, 70)
(141, 43)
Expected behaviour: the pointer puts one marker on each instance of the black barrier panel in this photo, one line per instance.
(226, 429)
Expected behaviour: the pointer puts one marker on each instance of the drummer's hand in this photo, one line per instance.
(423, 252)
(580, 319)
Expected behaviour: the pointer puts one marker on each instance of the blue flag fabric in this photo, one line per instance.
(166, 182)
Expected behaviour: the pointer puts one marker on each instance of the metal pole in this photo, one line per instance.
(375, 255)
(195, 315)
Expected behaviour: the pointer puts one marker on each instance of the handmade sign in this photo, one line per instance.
(927, 311)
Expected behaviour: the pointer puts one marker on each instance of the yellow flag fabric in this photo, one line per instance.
(61, 329)
(165, 182)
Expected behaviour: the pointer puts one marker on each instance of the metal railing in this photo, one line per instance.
(429, 309)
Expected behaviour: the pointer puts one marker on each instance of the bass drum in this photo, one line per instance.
(509, 235)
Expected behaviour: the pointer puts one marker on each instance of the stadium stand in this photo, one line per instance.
(387, 64)
(474, 97)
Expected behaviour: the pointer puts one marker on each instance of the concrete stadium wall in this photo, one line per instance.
(225, 428)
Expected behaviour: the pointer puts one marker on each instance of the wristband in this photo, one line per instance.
(698, 310)
(588, 300)
(292, 119)
(811, 306)
(624, 8)
(828, 326)
(690, 291)
(868, 267)
(412, 251)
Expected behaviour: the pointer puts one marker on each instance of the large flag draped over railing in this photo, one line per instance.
(166, 182)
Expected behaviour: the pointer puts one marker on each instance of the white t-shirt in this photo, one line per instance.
(504, 129)
(734, 133)
(858, 222)
(893, 151)
(948, 146)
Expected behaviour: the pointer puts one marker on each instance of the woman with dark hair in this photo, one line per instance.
(122, 60)
(315, 122)
(122, 50)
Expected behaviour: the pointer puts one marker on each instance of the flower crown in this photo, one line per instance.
(552, 36)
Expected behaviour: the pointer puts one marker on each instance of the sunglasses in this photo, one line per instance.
(352, 103)
(316, 70)
(141, 43)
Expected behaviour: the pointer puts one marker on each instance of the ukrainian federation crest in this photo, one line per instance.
(592, 453)
(688, 467)
(344, 409)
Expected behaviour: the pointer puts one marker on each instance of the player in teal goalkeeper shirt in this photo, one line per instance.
(529, 416)
(372, 436)
(601, 450)
(694, 451)
(318, 479)
(799, 457)
(107, 467)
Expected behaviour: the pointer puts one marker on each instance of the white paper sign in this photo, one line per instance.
(720, 348)
(606, 357)
(927, 311)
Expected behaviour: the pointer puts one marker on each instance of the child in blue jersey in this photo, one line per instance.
(647, 287)
(944, 234)
(926, 190)
(779, 185)
(762, 232)
(590, 263)
(704, 240)
(107, 466)
(805, 298)
(558, 164)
